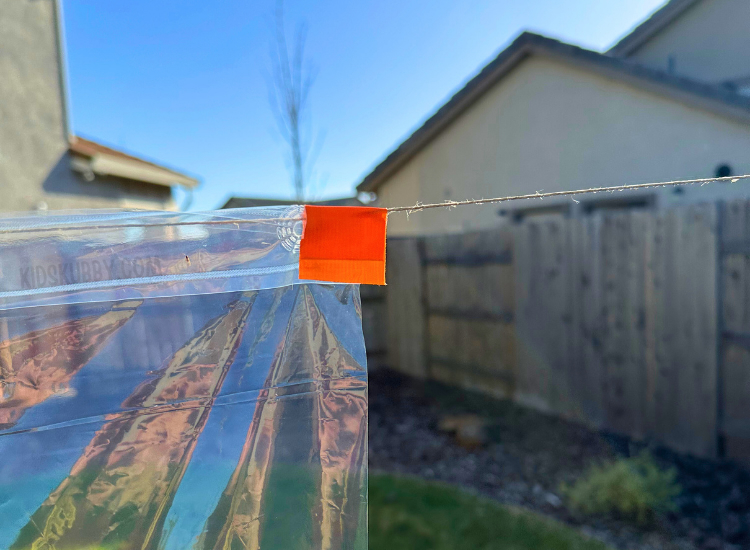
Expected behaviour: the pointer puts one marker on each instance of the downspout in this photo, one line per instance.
(62, 69)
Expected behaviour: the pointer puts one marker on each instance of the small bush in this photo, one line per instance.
(633, 488)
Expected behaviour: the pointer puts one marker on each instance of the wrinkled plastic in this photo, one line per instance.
(169, 382)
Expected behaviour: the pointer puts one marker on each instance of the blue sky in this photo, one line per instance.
(181, 81)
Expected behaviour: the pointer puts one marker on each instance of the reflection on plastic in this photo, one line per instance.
(39, 364)
(204, 421)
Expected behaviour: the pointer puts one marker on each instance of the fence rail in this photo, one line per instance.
(634, 321)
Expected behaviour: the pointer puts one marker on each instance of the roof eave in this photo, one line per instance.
(644, 32)
(108, 165)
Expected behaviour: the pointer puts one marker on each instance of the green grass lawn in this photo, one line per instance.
(411, 514)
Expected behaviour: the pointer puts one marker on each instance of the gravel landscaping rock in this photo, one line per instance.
(527, 455)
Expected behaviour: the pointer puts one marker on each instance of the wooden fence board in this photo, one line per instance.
(533, 368)
(574, 291)
(406, 316)
(655, 352)
(735, 366)
(641, 229)
(558, 266)
(698, 402)
(672, 333)
(591, 392)
(613, 251)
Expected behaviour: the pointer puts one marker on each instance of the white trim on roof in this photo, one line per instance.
(109, 165)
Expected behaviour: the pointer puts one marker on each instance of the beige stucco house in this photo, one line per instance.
(670, 101)
(42, 165)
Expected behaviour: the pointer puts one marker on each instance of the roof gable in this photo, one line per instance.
(682, 89)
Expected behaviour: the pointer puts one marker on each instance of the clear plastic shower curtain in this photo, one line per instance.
(168, 382)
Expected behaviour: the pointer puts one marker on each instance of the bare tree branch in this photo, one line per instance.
(290, 81)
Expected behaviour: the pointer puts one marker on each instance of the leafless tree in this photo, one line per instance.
(290, 80)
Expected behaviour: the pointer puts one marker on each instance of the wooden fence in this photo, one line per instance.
(633, 321)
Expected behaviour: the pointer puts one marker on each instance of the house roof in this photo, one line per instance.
(712, 98)
(92, 158)
(660, 19)
(247, 202)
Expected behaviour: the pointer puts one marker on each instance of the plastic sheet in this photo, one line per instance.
(169, 382)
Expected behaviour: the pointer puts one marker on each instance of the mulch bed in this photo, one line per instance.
(527, 455)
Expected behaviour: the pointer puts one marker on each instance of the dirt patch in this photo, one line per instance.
(524, 456)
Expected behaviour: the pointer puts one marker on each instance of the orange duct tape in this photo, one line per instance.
(343, 244)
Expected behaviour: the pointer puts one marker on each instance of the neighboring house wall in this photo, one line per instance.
(709, 41)
(550, 126)
(34, 159)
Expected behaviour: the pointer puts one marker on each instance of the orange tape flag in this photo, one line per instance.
(343, 244)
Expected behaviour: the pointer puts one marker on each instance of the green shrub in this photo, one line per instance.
(633, 488)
